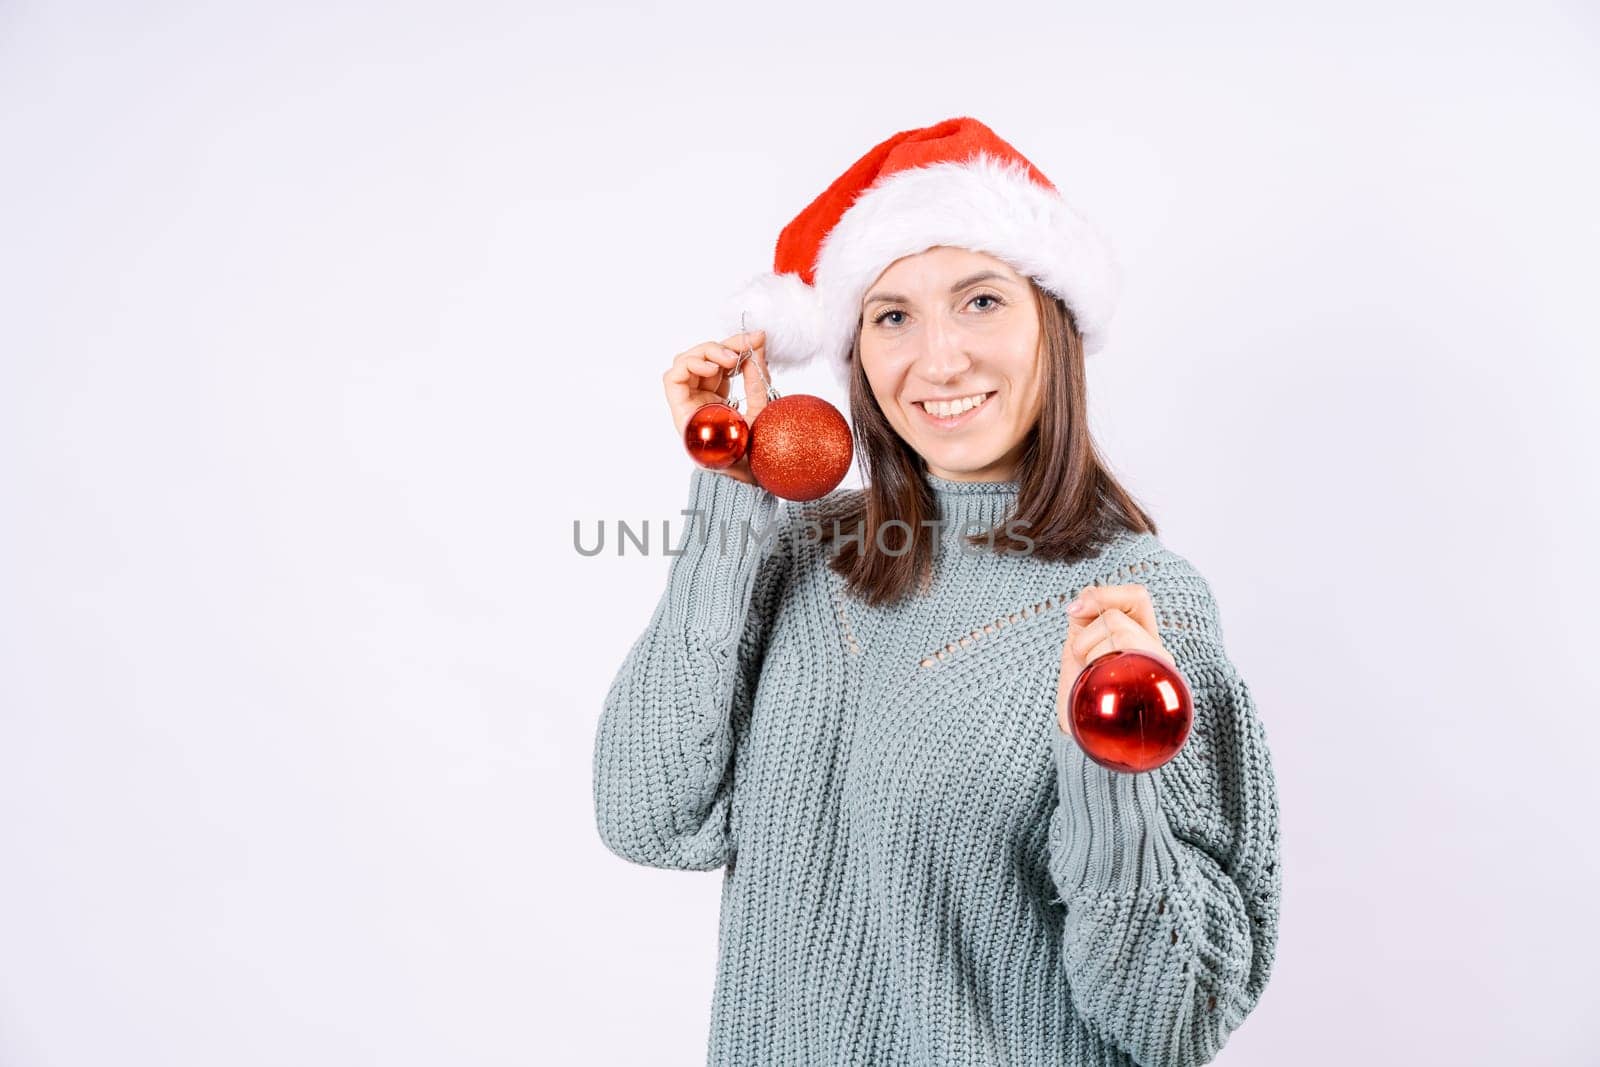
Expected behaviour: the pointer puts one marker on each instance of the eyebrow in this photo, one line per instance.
(981, 276)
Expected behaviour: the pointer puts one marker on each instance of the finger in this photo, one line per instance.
(723, 356)
(1080, 638)
(725, 359)
(1071, 659)
(709, 388)
(729, 347)
(701, 369)
(1100, 631)
(755, 382)
(1100, 649)
(688, 365)
(689, 383)
(1071, 666)
(1132, 599)
(1115, 644)
(748, 337)
(1114, 631)
(705, 368)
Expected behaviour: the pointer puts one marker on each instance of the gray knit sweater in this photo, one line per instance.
(919, 866)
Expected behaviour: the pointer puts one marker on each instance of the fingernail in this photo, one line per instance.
(1076, 605)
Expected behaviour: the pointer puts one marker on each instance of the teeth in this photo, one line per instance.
(944, 409)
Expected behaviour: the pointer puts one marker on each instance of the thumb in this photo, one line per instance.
(755, 381)
(1068, 657)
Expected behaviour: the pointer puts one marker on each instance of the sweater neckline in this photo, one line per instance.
(950, 489)
(972, 505)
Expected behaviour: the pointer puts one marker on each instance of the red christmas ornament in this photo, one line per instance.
(716, 435)
(800, 447)
(1130, 711)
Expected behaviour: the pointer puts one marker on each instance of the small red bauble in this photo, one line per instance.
(800, 447)
(1130, 711)
(716, 436)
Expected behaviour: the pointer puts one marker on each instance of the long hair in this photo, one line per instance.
(1067, 501)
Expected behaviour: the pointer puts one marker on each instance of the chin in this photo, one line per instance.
(960, 461)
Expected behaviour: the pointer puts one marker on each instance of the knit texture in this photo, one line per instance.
(919, 866)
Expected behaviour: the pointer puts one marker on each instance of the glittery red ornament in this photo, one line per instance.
(1130, 711)
(716, 436)
(800, 447)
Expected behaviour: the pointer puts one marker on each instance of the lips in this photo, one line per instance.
(954, 421)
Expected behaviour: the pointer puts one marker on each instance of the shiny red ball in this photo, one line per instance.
(800, 447)
(716, 436)
(1130, 711)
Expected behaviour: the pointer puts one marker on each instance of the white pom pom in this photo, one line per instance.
(787, 309)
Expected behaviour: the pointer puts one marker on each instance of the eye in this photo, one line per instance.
(882, 315)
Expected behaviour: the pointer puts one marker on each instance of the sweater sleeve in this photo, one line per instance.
(1170, 878)
(664, 745)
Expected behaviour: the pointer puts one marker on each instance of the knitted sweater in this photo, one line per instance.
(919, 866)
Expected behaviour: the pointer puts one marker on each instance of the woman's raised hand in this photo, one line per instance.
(1106, 618)
(699, 376)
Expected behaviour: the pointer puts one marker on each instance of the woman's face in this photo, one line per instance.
(934, 335)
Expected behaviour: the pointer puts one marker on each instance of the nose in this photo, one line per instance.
(943, 359)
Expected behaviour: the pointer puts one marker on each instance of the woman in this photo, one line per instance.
(860, 720)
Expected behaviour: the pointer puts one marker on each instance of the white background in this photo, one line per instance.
(319, 328)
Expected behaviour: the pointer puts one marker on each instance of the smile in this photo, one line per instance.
(956, 412)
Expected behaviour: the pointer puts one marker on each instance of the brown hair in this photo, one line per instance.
(1067, 500)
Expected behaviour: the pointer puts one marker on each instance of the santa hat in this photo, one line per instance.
(954, 183)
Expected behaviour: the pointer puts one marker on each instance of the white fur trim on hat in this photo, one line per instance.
(788, 310)
(985, 204)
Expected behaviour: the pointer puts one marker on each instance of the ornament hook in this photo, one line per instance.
(772, 393)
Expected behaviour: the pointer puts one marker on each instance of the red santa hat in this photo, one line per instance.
(954, 183)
